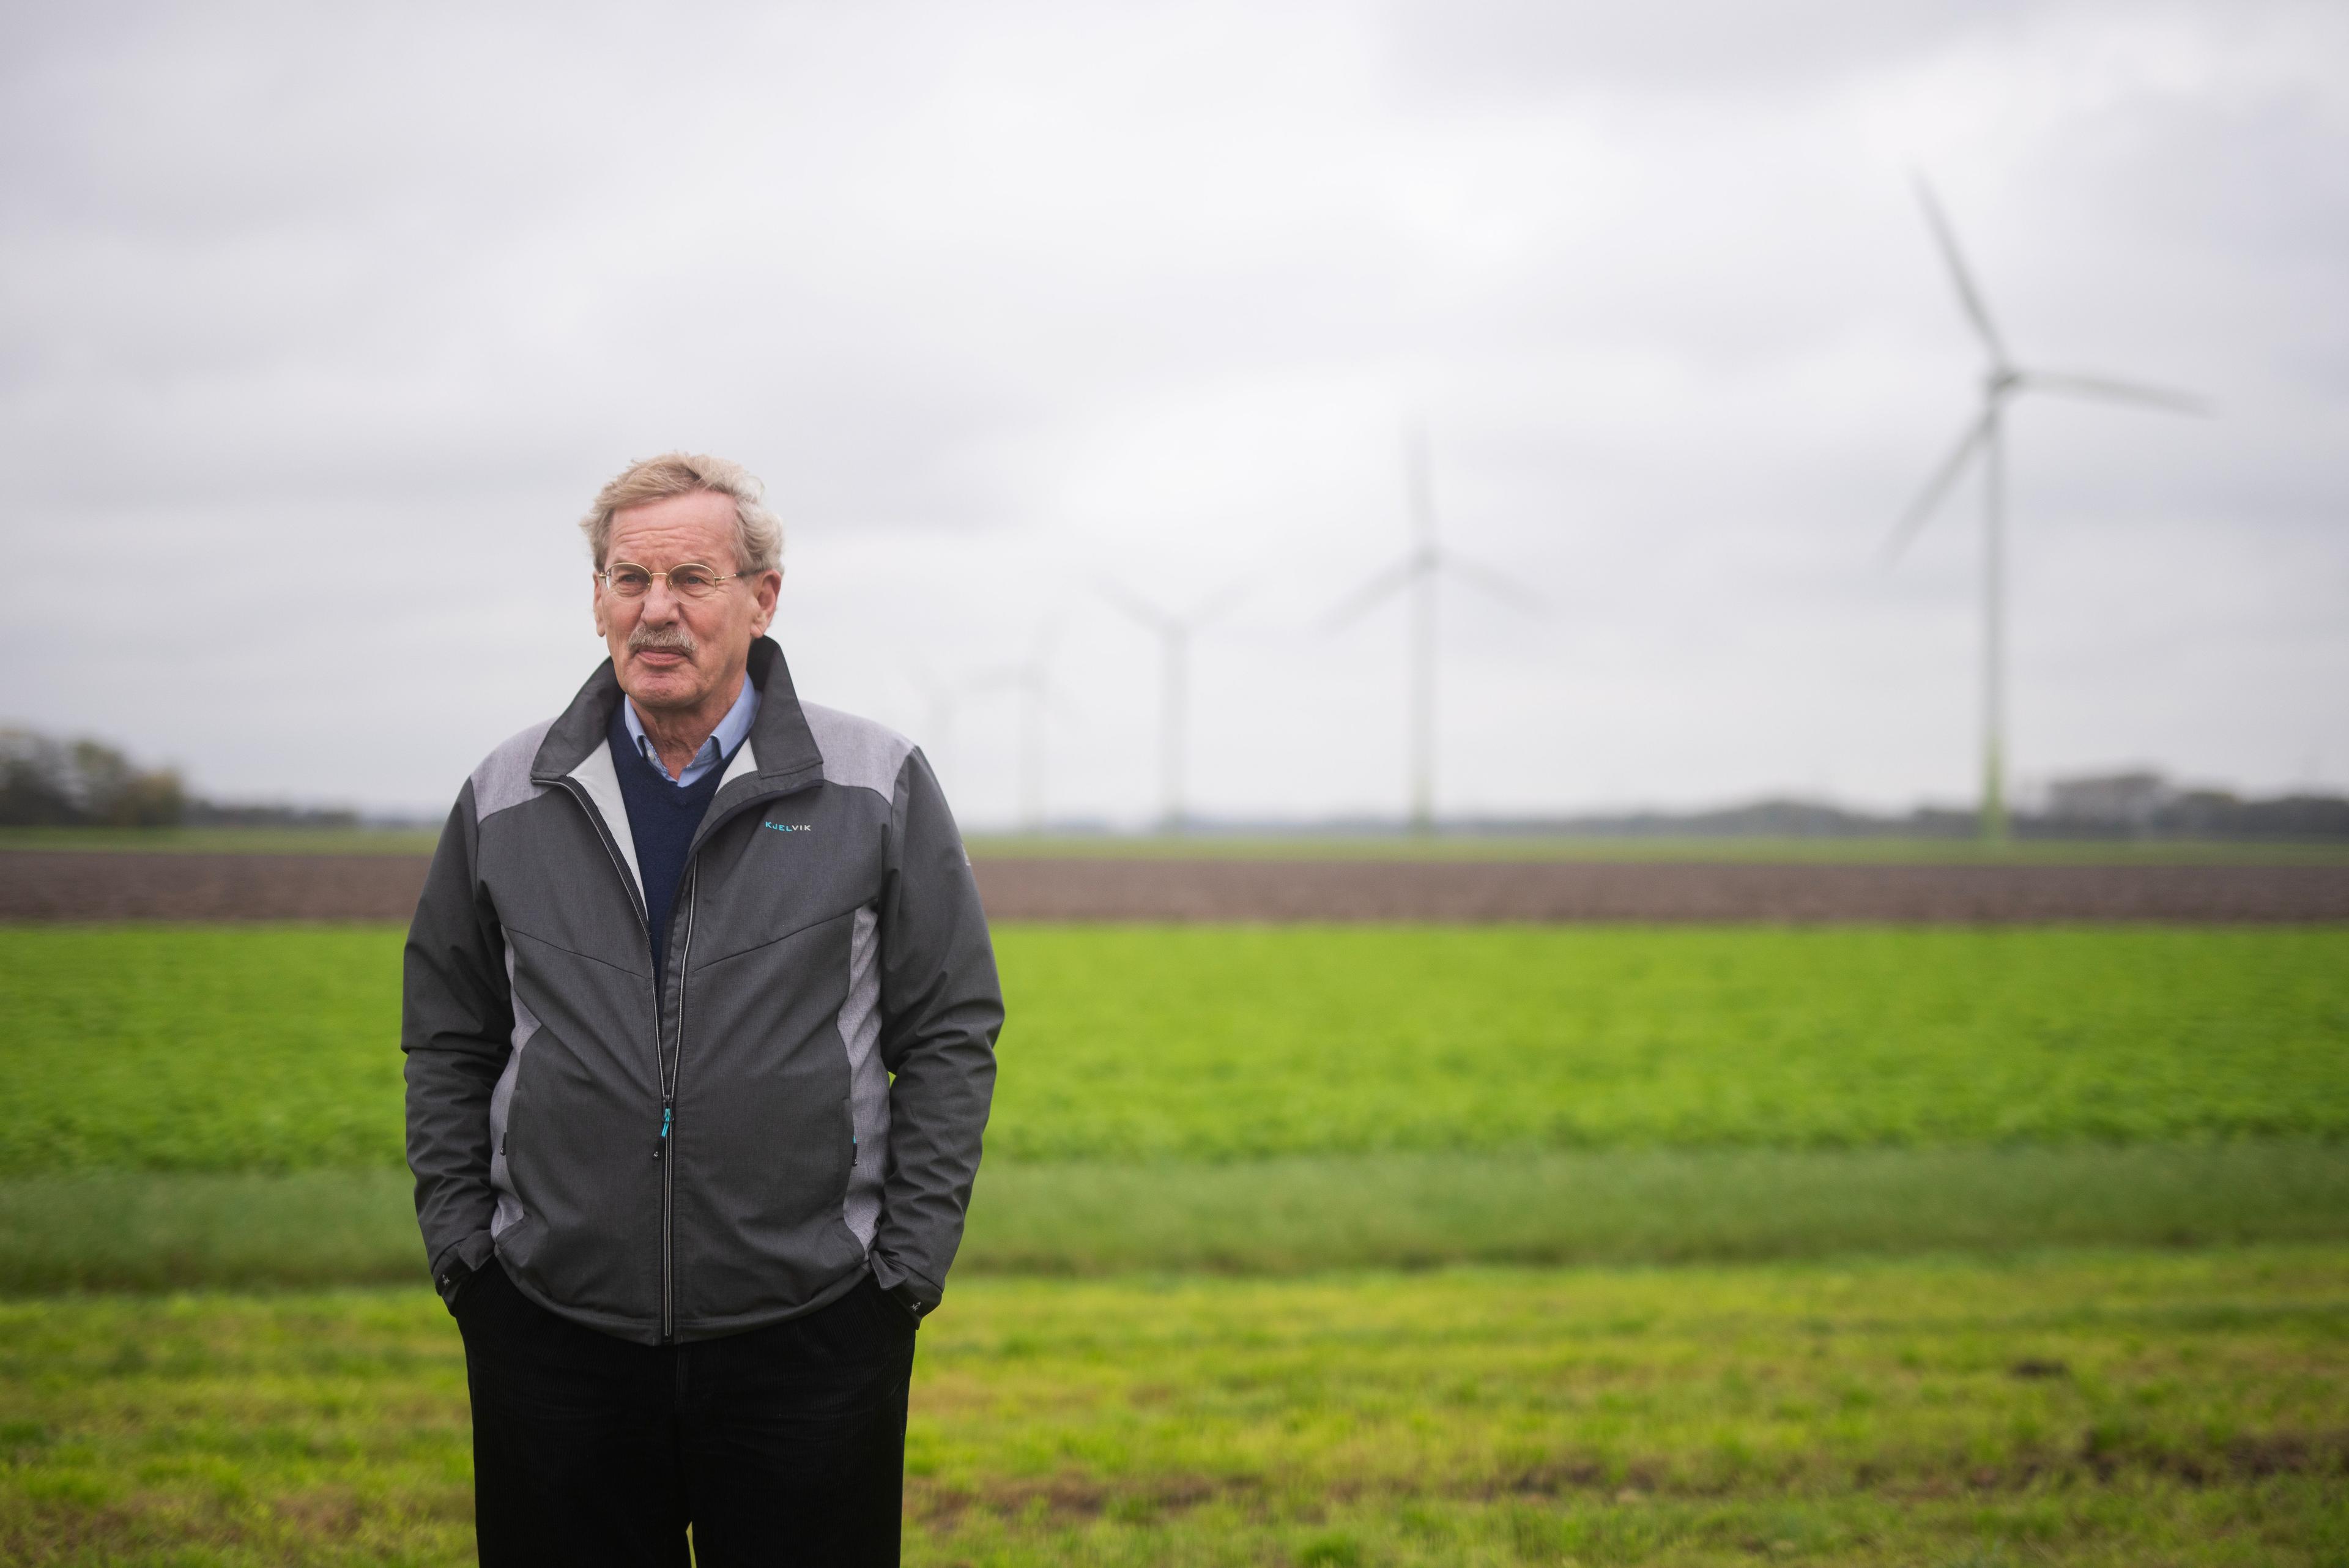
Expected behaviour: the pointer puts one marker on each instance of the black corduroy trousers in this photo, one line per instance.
(784, 1444)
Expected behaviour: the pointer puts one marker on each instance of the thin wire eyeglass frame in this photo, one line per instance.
(707, 585)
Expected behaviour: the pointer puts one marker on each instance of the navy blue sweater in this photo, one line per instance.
(661, 819)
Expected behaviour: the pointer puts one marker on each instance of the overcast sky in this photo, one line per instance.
(319, 327)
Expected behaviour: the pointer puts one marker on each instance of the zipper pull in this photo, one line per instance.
(661, 1142)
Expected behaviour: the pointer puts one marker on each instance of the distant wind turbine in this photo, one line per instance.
(944, 700)
(1419, 571)
(1173, 631)
(1033, 679)
(1984, 437)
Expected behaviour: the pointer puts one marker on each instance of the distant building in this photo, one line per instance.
(2132, 800)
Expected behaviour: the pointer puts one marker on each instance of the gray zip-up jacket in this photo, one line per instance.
(804, 1097)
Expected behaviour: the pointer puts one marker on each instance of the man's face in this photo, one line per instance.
(673, 653)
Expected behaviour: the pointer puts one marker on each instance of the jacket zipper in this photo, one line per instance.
(672, 1070)
(672, 1073)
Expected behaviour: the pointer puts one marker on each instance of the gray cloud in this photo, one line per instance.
(320, 327)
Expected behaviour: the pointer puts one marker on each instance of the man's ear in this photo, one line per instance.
(768, 588)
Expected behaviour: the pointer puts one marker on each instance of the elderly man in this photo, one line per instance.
(699, 1023)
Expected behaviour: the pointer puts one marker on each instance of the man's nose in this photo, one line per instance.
(660, 604)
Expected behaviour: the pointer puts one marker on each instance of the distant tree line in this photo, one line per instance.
(50, 782)
(46, 781)
(2198, 814)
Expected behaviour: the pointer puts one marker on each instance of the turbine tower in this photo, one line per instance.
(1173, 631)
(1984, 437)
(1419, 571)
(1033, 679)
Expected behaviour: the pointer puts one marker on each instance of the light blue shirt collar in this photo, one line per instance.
(730, 732)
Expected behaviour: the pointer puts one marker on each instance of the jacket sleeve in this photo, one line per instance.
(456, 1029)
(941, 1010)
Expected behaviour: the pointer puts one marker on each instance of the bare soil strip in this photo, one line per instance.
(48, 885)
(1470, 892)
(84, 884)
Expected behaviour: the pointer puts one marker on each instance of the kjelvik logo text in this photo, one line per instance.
(789, 826)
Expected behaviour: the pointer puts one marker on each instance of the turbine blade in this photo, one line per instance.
(1215, 607)
(1058, 704)
(1968, 296)
(1387, 582)
(1913, 520)
(1133, 605)
(1494, 583)
(2104, 389)
(948, 689)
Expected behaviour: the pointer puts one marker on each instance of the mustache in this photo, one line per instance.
(669, 638)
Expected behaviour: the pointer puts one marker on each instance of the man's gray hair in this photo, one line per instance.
(758, 532)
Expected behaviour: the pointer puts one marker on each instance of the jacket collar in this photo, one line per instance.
(781, 747)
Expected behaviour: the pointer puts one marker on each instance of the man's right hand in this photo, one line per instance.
(451, 1284)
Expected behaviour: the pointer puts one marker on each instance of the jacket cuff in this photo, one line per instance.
(456, 1264)
(911, 1291)
(912, 1306)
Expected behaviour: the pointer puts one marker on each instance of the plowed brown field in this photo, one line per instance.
(45, 884)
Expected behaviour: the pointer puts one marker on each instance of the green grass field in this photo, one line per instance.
(2098, 1408)
(2013, 1246)
(145, 1231)
(1317, 847)
(274, 1048)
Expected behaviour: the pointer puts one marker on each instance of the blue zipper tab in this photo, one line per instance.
(661, 1142)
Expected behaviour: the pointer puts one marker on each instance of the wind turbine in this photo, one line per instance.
(1033, 679)
(1174, 630)
(943, 701)
(1418, 571)
(1984, 436)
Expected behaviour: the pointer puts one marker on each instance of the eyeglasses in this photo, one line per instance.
(691, 581)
